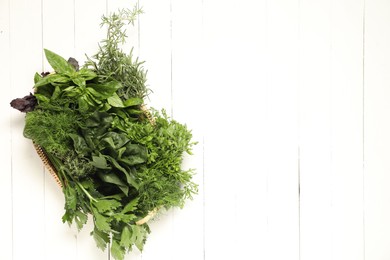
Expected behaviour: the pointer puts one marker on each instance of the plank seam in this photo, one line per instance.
(363, 125)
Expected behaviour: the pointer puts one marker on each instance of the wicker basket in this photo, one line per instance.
(50, 167)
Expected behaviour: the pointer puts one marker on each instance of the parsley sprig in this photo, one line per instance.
(112, 160)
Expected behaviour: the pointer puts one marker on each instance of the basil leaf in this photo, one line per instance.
(42, 98)
(87, 74)
(37, 78)
(106, 89)
(59, 64)
(52, 78)
(79, 81)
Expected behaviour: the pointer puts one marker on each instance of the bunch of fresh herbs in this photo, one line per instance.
(113, 161)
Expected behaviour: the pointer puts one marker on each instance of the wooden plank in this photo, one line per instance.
(376, 129)
(315, 131)
(27, 171)
(186, 95)
(58, 26)
(282, 127)
(155, 50)
(6, 236)
(58, 35)
(233, 75)
(88, 33)
(347, 129)
(132, 43)
(132, 31)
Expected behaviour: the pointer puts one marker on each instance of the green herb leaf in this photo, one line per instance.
(101, 222)
(115, 101)
(59, 64)
(138, 236)
(133, 102)
(78, 80)
(70, 198)
(100, 162)
(42, 98)
(37, 78)
(101, 238)
(81, 219)
(131, 206)
(117, 251)
(114, 179)
(80, 145)
(87, 74)
(52, 79)
(126, 238)
(104, 205)
(106, 89)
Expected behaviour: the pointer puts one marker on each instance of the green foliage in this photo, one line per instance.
(113, 162)
(111, 62)
(51, 130)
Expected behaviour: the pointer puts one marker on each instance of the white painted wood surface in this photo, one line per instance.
(288, 99)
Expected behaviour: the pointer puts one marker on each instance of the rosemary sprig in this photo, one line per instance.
(111, 62)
